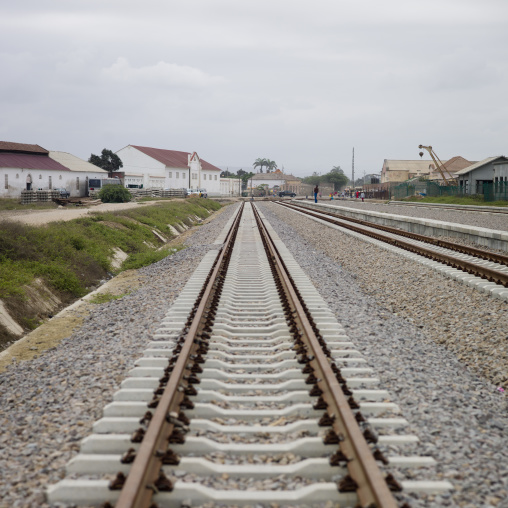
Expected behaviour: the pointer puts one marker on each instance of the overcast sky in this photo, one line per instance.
(298, 82)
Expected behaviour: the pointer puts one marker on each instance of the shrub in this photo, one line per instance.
(114, 194)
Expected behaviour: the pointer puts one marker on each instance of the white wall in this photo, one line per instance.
(138, 163)
(73, 181)
(230, 187)
(177, 182)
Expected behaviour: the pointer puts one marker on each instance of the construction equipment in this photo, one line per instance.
(439, 165)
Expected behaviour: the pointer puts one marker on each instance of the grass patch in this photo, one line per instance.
(105, 298)
(71, 257)
(15, 204)
(476, 200)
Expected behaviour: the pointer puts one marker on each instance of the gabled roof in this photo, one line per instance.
(173, 158)
(457, 163)
(75, 163)
(8, 146)
(479, 164)
(29, 161)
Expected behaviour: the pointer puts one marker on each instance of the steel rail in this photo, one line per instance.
(477, 270)
(364, 474)
(141, 482)
(463, 249)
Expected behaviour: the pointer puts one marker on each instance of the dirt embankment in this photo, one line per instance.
(60, 326)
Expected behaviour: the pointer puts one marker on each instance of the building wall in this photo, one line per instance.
(13, 181)
(473, 180)
(394, 176)
(138, 163)
(211, 181)
(230, 187)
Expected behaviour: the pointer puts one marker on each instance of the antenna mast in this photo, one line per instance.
(353, 174)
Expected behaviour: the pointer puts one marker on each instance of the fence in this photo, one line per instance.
(158, 193)
(425, 189)
(497, 191)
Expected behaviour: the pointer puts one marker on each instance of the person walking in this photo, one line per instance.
(362, 195)
(316, 190)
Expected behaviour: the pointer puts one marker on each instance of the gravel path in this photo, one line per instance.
(436, 345)
(482, 220)
(49, 404)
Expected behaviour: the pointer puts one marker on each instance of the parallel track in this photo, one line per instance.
(470, 259)
(257, 335)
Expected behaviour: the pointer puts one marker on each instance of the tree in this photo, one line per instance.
(336, 177)
(114, 194)
(259, 163)
(108, 161)
(314, 180)
(270, 165)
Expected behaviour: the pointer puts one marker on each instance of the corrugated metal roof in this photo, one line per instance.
(75, 163)
(8, 146)
(29, 161)
(478, 165)
(173, 158)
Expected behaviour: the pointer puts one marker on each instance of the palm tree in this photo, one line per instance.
(270, 166)
(259, 163)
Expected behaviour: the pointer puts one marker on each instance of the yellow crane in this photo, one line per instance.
(439, 165)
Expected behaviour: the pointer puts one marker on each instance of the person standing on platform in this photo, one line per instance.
(316, 190)
(362, 195)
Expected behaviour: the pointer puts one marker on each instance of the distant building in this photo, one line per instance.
(231, 187)
(402, 170)
(168, 169)
(449, 168)
(276, 181)
(31, 167)
(487, 171)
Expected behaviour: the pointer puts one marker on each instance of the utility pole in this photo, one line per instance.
(353, 167)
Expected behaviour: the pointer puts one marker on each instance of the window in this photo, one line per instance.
(77, 183)
(6, 181)
(40, 177)
(215, 177)
(60, 177)
(177, 174)
(17, 175)
(204, 176)
(50, 184)
(170, 174)
(194, 176)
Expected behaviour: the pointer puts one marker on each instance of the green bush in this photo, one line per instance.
(114, 194)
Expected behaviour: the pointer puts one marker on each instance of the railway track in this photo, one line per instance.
(250, 393)
(490, 266)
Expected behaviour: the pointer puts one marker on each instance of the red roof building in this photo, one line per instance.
(168, 169)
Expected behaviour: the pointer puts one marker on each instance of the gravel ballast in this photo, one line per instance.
(439, 347)
(49, 404)
(469, 218)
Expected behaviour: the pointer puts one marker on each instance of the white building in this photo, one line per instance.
(231, 187)
(31, 167)
(168, 169)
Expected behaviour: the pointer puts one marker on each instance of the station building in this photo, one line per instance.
(157, 168)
